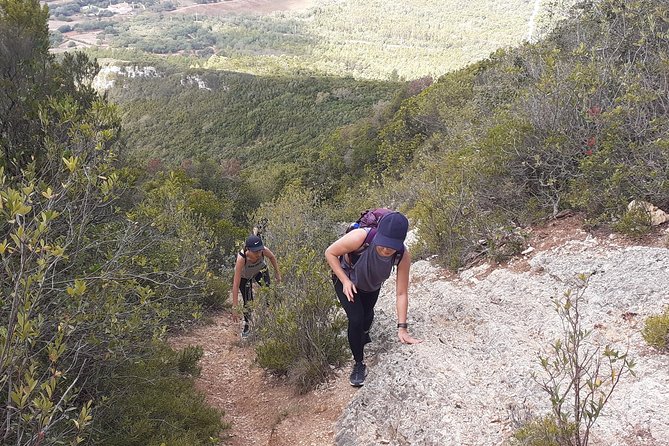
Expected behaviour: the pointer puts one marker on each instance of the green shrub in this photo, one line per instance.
(542, 432)
(298, 325)
(300, 328)
(215, 292)
(635, 223)
(152, 402)
(656, 331)
(187, 360)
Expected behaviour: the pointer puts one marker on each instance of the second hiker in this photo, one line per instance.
(251, 267)
(358, 277)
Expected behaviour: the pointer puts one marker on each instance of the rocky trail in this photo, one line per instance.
(469, 382)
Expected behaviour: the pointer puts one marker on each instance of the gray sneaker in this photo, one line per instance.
(246, 331)
(358, 374)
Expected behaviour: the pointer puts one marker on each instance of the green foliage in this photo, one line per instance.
(154, 402)
(215, 292)
(580, 379)
(656, 331)
(242, 117)
(56, 176)
(527, 133)
(299, 326)
(25, 81)
(187, 360)
(88, 281)
(635, 222)
(542, 432)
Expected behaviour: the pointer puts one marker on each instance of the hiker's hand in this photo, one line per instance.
(277, 278)
(406, 338)
(235, 313)
(349, 290)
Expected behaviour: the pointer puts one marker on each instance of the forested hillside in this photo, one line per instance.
(576, 121)
(263, 120)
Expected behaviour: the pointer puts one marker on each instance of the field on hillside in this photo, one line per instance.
(371, 39)
(413, 39)
(243, 6)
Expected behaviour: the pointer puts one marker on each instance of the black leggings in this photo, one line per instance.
(246, 288)
(360, 315)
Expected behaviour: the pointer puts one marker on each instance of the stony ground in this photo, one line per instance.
(469, 382)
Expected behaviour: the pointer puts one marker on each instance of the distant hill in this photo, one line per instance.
(371, 39)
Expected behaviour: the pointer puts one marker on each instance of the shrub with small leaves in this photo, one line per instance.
(153, 401)
(635, 223)
(542, 432)
(299, 327)
(656, 331)
(579, 377)
(187, 360)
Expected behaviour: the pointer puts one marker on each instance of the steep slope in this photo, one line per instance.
(470, 381)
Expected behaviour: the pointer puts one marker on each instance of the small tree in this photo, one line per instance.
(580, 380)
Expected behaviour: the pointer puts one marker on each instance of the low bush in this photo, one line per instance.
(300, 329)
(635, 223)
(542, 432)
(215, 292)
(298, 325)
(154, 402)
(656, 331)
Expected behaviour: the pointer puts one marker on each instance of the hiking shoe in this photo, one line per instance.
(245, 331)
(366, 339)
(358, 374)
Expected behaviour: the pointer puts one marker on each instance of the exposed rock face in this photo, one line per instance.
(471, 377)
(108, 74)
(657, 216)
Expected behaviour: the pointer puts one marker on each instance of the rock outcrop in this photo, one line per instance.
(470, 381)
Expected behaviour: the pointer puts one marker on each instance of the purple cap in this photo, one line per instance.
(392, 231)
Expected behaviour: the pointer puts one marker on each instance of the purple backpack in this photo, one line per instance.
(370, 219)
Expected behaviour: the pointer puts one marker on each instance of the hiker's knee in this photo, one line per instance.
(356, 321)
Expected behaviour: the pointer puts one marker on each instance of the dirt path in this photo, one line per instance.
(261, 409)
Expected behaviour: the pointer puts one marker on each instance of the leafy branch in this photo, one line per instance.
(580, 378)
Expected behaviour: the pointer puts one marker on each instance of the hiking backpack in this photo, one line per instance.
(370, 219)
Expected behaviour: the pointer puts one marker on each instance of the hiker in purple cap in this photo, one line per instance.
(358, 277)
(251, 267)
